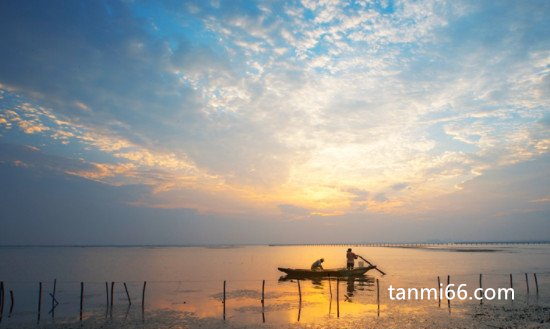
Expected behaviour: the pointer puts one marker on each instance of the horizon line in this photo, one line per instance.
(370, 244)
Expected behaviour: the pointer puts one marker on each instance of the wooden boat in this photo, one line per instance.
(325, 273)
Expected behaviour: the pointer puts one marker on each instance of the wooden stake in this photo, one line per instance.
(12, 302)
(527, 283)
(439, 290)
(107, 293)
(481, 287)
(53, 297)
(299, 312)
(536, 282)
(448, 300)
(263, 301)
(224, 300)
(263, 289)
(300, 300)
(338, 297)
(39, 299)
(511, 282)
(143, 297)
(81, 298)
(378, 295)
(1, 299)
(53, 294)
(112, 292)
(127, 294)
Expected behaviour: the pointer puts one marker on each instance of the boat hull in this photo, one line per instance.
(334, 273)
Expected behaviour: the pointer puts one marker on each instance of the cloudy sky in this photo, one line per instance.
(169, 122)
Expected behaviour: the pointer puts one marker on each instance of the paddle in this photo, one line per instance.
(376, 268)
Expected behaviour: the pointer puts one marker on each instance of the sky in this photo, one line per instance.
(205, 122)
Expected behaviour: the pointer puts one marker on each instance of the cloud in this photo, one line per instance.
(400, 186)
(294, 212)
(358, 194)
(380, 197)
(32, 157)
(249, 106)
(50, 207)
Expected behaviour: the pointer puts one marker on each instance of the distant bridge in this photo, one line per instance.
(411, 244)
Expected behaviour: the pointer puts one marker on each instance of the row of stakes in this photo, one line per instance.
(55, 302)
(300, 297)
(481, 286)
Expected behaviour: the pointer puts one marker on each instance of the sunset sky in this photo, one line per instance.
(168, 122)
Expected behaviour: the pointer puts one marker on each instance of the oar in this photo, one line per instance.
(376, 268)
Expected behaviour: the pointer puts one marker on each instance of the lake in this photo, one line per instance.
(185, 285)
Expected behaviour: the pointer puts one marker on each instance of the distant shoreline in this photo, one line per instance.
(354, 244)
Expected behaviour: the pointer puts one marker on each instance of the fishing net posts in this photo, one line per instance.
(300, 300)
(263, 301)
(481, 287)
(54, 301)
(1, 299)
(106, 299)
(299, 292)
(224, 283)
(11, 303)
(378, 296)
(112, 299)
(536, 283)
(448, 300)
(127, 294)
(143, 301)
(482, 297)
(438, 287)
(110, 303)
(81, 298)
(39, 300)
(263, 289)
(527, 283)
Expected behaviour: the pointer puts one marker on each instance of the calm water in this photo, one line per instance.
(189, 280)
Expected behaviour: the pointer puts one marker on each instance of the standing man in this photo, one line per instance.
(351, 257)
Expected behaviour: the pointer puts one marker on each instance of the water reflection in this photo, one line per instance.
(184, 281)
(350, 289)
(317, 283)
(319, 294)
